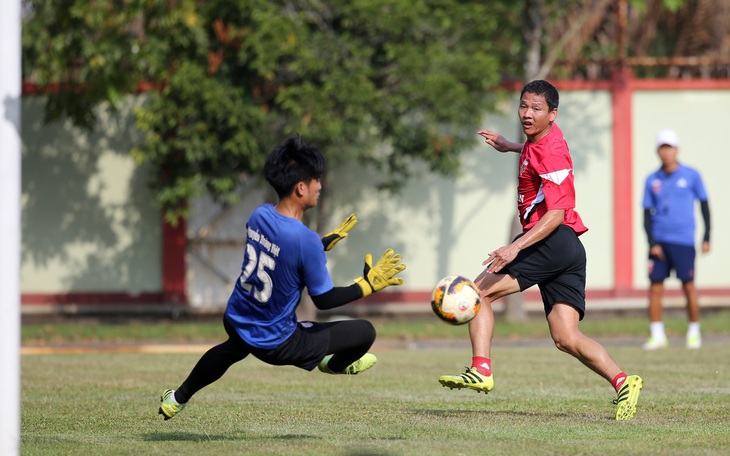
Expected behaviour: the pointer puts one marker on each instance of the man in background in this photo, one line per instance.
(669, 221)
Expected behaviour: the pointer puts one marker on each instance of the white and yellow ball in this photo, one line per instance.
(455, 299)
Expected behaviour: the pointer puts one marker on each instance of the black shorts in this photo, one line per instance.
(306, 347)
(557, 265)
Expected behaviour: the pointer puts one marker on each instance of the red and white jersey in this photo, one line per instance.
(546, 181)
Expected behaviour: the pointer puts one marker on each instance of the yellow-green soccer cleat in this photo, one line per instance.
(367, 361)
(654, 343)
(470, 379)
(694, 341)
(627, 397)
(169, 407)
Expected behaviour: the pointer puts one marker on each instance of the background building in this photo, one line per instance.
(93, 239)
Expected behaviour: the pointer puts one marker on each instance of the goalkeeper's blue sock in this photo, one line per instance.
(482, 365)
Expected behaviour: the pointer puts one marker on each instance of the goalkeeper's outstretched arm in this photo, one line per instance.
(374, 278)
(336, 297)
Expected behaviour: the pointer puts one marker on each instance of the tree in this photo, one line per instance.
(384, 82)
(588, 39)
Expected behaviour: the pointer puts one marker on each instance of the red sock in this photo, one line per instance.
(482, 365)
(618, 381)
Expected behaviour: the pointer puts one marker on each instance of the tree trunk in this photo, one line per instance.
(515, 303)
(533, 37)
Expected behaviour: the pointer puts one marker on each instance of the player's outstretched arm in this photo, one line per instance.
(337, 296)
(382, 274)
(499, 142)
(336, 235)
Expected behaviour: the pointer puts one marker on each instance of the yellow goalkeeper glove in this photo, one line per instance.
(335, 236)
(377, 277)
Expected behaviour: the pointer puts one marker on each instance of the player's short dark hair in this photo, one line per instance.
(544, 88)
(291, 162)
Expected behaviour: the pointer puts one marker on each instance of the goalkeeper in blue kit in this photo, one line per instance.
(283, 256)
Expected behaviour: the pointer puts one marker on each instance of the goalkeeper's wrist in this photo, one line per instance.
(365, 286)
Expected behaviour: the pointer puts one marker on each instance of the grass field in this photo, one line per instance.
(544, 402)
(86, 331)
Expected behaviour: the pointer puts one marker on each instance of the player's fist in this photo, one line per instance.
(382, 274)
(336, 235)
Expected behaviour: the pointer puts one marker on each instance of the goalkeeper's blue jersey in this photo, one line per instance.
(282, 257)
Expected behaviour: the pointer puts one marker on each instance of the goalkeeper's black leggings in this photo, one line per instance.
(349, 340)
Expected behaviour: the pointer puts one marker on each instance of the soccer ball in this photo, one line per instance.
(455, 300)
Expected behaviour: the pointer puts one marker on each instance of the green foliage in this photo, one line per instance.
(81, 51)
(385, 82)
(673, 5)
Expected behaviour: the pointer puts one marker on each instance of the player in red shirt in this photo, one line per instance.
(547, 253)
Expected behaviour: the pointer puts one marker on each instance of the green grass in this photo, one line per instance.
(412, 328)
(544, 402)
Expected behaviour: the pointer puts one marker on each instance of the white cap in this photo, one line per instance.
(667, 137)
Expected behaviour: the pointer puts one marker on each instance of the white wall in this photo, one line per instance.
(585, 118)
(449, 226)
(89, 221)
(443, 225)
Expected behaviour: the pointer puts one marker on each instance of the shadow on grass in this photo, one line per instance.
(194, 437)
(295, 437)
(457, 413)
(184, 437)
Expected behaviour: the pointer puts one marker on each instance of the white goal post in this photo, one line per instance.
(10, 151)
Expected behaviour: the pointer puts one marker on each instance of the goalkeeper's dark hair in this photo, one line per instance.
(291, 162)
(544, 88)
